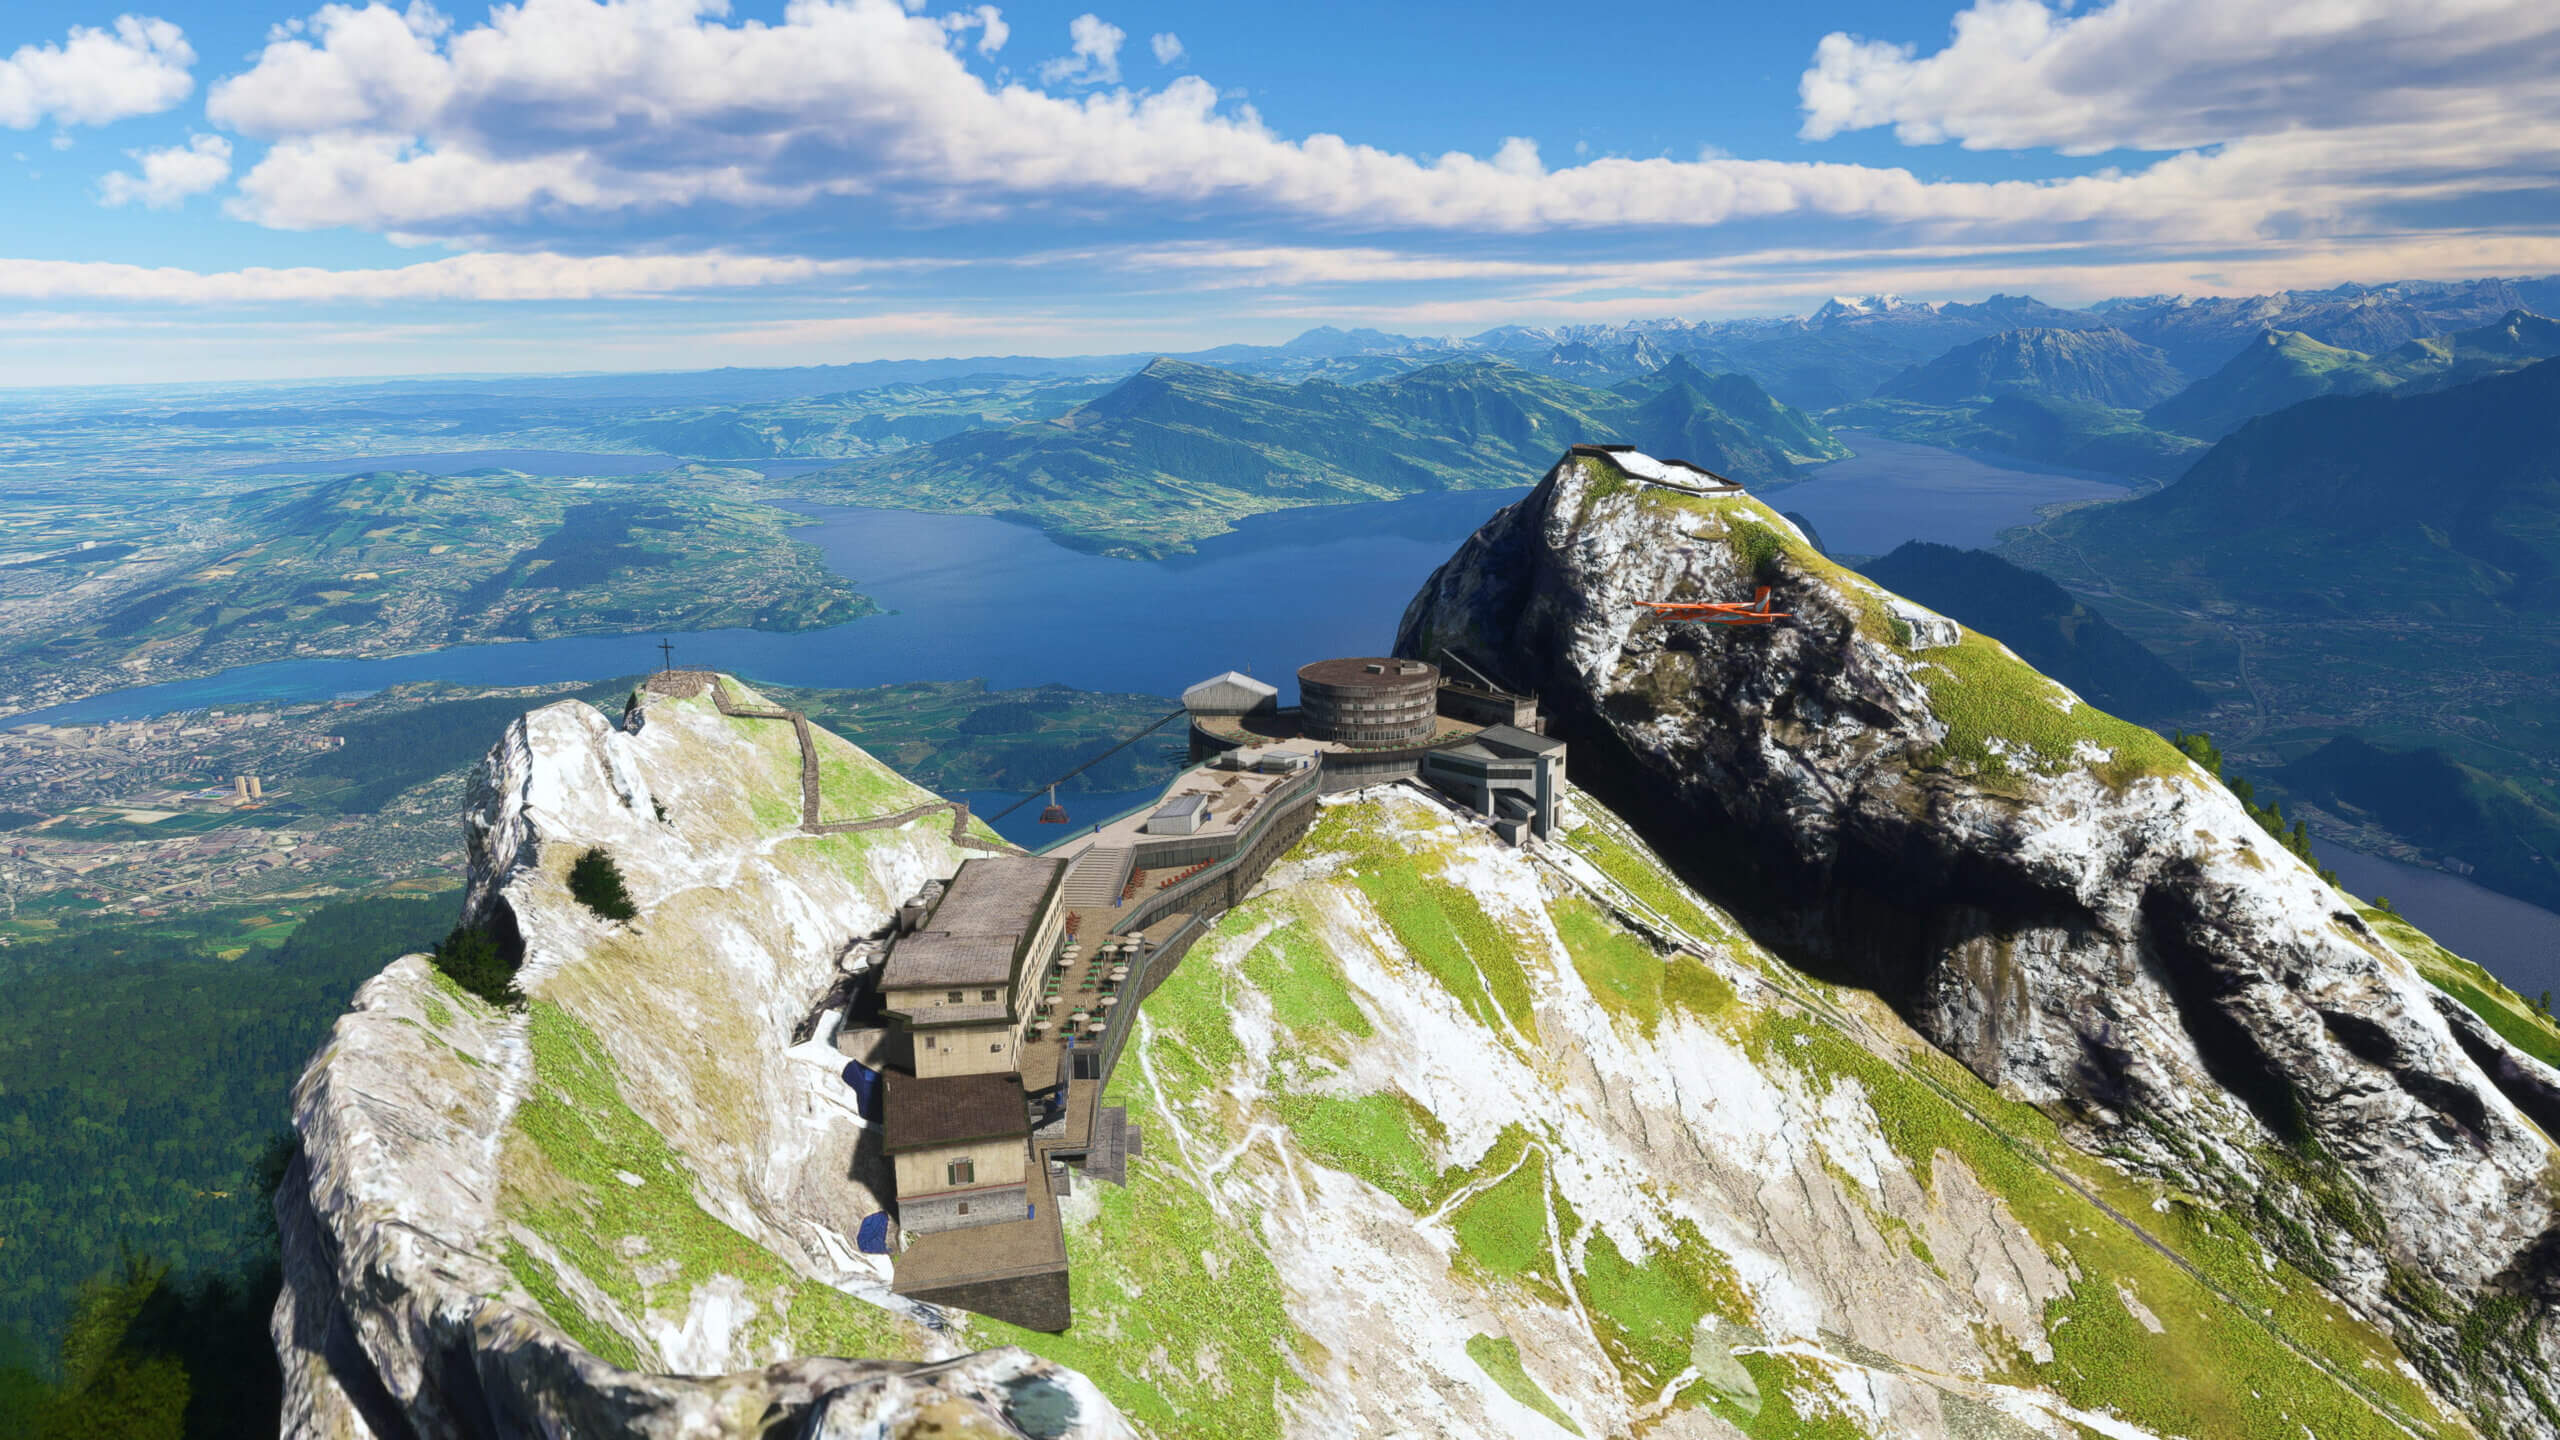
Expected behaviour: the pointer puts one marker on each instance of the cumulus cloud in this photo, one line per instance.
(662, 115)
(170, 176)
(2175, 74)
(575, 111)
(1168, 47)
(987, 20)
(137, 67)
(1093, 55)
(539, 276)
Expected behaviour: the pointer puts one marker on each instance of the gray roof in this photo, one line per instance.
(1233, 693)
(951, 1110)
(1182, 805)
(996, 895)
(1358, 672)
(939, 1017)
(1512, 737)
(932, 958)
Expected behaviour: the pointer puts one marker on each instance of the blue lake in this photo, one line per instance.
(1892, 491)
(976, 597)
(2518, 942)
(973, 597)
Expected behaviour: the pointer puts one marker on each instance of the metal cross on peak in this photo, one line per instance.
(667, 654)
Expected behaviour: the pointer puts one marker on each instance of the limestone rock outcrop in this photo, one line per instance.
(627, 1208)
(2054, 897)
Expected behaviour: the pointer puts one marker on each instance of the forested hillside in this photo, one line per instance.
(142, 1079)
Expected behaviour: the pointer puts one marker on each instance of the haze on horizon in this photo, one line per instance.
(205, 192)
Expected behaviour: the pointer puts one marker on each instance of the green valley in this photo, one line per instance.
(2285, 367)
(2378, 566)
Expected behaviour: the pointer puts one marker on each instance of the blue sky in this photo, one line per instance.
(198, 191)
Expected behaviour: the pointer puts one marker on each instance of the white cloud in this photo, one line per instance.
(2175, 74)
(169, 176)
(987, 20)
(139, 67)
(1093, 56)
(1168, 47)
(647, 113)
(540, 276)
(1438, 291)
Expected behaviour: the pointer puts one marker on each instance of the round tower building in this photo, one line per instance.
(1368, 701)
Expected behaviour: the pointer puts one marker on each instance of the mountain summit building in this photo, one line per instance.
(1009, 990)
(961, 983)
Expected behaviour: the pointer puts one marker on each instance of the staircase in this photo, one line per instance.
(1114, 1141)
(1099, 874)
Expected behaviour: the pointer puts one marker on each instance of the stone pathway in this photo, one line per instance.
(686, 684)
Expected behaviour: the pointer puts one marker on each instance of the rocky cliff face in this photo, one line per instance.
(2054, 897)
(624, 1209)
(1441, 1138)
(1444, 1138)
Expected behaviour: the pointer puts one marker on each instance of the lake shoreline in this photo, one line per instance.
(994, 599)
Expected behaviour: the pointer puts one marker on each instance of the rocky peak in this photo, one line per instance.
(622, 1209)
(1855, 307)
(2054, 897)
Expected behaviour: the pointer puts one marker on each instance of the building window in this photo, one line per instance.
(928, 1042)
(964, 1207)
(963, 1172)
(987, 994)
(996, 1049)
(956, 996)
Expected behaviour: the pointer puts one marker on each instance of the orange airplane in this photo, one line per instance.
(1719, 612)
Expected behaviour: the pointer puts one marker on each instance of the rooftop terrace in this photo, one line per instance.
(1234, 798)
(1279, 726)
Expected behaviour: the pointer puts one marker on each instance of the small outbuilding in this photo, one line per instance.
(1507, 774)
(1233, 693)
(961, 1148)
(1181, 815)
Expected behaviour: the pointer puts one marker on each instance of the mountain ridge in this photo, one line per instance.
(1359, 1071)
(2101, 365)
(1884, 796)
(1222, 445)
(2400, 544)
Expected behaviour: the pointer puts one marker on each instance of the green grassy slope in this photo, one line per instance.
(2048, 627)
(2285, 368)
(2282, 368)
(1295, 1117)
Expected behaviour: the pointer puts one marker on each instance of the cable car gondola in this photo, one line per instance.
(1056, 814)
